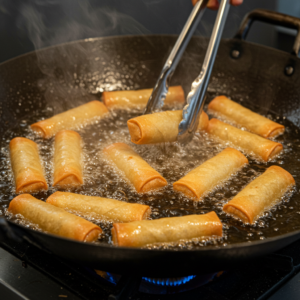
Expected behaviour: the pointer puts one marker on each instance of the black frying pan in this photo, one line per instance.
(269, 77)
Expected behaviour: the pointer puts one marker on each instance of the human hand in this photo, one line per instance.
(214, 4)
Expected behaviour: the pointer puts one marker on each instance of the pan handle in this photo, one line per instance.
(270, 17)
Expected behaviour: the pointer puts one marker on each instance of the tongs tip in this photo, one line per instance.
(157, 98)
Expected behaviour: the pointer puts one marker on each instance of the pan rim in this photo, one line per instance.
(235, 246)
(92, 39)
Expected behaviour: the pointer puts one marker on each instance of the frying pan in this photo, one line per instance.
(269, 77)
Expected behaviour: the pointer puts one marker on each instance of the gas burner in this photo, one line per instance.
(175, 285)
(161, 286)
(170, 281)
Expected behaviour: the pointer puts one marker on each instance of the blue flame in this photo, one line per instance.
(111, 278)
(159, 281)
(170, 281)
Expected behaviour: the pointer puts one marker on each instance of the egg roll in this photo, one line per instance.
(67, 159)
(245, 117)
(74, 118)
(207, 176)
(143, 177)
(166, 230)
(249, 142)
(260, 195)
(100, 208)
(159, 127)
(53, 219)
(26, 166)
(127, 99)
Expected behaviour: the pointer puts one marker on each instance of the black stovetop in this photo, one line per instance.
(29, 273)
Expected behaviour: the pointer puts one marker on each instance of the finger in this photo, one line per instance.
(236, 2)
(213, 4)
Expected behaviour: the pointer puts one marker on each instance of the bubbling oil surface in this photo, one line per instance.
(172, 161)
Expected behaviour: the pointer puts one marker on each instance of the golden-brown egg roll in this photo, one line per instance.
(136, 170)
(249, 142)
(79, 116)
(245, 117)
(100, 208)
(260, 195)
(166, 230)
(214, 171)
(67, 159)
(159, 127)
(53, 219)
(127, 99)
(26, 166)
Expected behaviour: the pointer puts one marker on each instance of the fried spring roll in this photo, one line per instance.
(101, 208)
(26, 166)
(245, 117)
(70, 119)
(53, 219)
(125, 99)
(67, 159)
(137, 171)
(204, 178)
(159, 127)
(260, 195)
(166, 230)
(251, 143)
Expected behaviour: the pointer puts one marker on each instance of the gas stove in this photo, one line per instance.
(29, 273)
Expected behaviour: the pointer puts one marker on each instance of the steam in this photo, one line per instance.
(72, 20)
(54, 22)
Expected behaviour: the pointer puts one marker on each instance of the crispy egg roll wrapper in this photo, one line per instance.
(53, 219)
(249, 142)
(204, 178)
(82, 115)
(67, 159)
(137, 171)
(101, 208)
(159, 127)
(166, 230)
(245, 117)
(26, 166)
(260, 195)
(125, 99)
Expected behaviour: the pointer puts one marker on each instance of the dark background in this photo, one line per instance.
(26, 25)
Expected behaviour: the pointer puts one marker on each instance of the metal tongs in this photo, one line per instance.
(196, 97)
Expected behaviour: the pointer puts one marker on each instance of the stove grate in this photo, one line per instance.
(255, 280)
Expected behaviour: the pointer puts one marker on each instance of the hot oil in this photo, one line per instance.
(173, 162)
